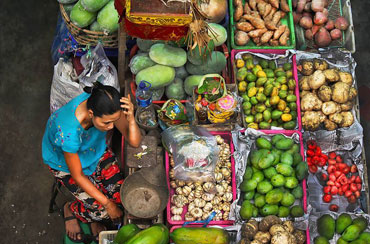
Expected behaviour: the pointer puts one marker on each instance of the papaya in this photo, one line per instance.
(125, 233)
(175, 90)
(81, 17)
(326, 226)
(190, 82)
(214, 64)
(95, 26)
(202, 235)
(93, 5)
(108, 18)
(139, 62)
(157, 234)
(158, 75)
(167, 55)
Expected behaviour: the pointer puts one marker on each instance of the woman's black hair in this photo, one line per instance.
(104, 100)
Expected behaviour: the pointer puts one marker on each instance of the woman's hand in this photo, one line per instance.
(128, 108)
(114, 212)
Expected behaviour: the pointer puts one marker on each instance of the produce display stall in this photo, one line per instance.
(253, 132)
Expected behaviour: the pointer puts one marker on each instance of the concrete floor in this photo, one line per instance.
(27, 29)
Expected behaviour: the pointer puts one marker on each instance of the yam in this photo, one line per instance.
(267, 222)
(249, 229)
(330, 108)
(320, 64)
(341, 92)
(263, 237)
(346, 77)
(331, 75)
(307, 67)
(311, 120)
(348, 119)
(324, 93)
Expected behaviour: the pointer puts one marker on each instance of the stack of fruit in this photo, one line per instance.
(271, 180)
(268, 93)
(351, 231)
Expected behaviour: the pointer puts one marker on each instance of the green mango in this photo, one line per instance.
(361, 222)
(289, 125)
(286, 158)
(297, 158)
(269, 172)
(351, 233)
(257, 155)
(284, 144)
(341, 241)
(264, 186)
(278, 180)
(301, 170)
(284, 169)
(269, 209)
(263, 143)
(283, 212)
(246, 210)
(291, 182)
(266, 161)
(274, 196)
(126, 232)
(358, 241)
(277, 137)
(365, 236)
(264, 125)
(321, 240)
(293, 149)
(259, 201)
(248, 185)
(258, 176)
(277, 154)
(287, 200)
(326, 226)
(248, 173)
(298, 192)
(249, 195)
(296, 211)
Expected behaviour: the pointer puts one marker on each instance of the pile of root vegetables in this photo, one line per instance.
(259, 21)
(326, 96)
(313, 16)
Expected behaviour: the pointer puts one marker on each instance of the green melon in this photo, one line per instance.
(80, 17)
(108, 18)
(181, 72)
(139, 62)
(176, 90)
(220, 32)
(95, 26)
(68, 8)
(158, 75)
(167, 55)
(214, 64)
(190, 82)
(144, 45)
(198, 58)
(93, 5)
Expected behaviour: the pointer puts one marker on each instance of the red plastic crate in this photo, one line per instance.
(225, 72)
(228, 138)
(295, 75)
(290, 133)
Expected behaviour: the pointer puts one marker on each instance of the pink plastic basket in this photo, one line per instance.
(228, 138)
(290, 133)
(295, 75)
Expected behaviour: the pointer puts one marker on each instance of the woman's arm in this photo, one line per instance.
(75, 168)
(127, 125)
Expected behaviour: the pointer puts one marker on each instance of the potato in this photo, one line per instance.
(331, 75)
(340, 92)
(324, 93)
(303, 93)
(316, 80)
(310, 102)
(241, 38)
(249, 229)
(244, 241)
(346, 77)
(330, 108)
(320, 64)
(276, 228)
(288, 226)
(303, 83)
(256, 242)
(292, 239)
(307, 67)
(281, 238)
(311, 120)
(352, 93)
(346, 106)
(267, 222)
(348, 119)
(300, 236)
(330, 125)
(263, 237)
(336, 118)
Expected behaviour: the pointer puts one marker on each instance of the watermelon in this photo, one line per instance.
(95, 26)
(167, 55)
(139, 62)
(214, 64)
(80, 17)
(158, 75)
(144, 45)
(190, 82)
(175, 90)
(181, 72)
(198, 58)
(220, 32)
(93, 5)
(108, 18)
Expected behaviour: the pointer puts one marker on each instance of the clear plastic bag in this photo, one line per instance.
(97, 67)
(194, 151)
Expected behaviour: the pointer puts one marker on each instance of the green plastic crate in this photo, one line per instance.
(287, 20)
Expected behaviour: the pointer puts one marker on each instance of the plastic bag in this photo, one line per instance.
(64, 86)
(97, 67)
(194, 151)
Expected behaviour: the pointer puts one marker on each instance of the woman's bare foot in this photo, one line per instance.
(73, 229)
(96, 228)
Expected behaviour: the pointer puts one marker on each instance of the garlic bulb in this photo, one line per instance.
(227, 197)
(179, 200)
(224, 184)
(189, 217)
(229, 189)
(172, 173)
(218, 215)
(191, 206)
(200, 203)
(208, 186)
(181, 183)
(205, 215)
(225, 215)
(179, 191)
(208, 207)
(225, 207)
(225, 172)
(186, 190)
(220, 190)
(176, 211)
(172, 162)
(190, 184)
(198, 193)
(208, 196)
(176, 218)
(191, 196)
(198, 183)
(173, 184)
(219, 139)
(216, 200)
(217, 169)
(196, 212)
(218, 177)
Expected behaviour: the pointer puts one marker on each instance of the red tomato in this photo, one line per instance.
(343, 180)
(331, 161)
(338, 159)
(331, 169)
(324, 156)
(310, 153)
(353, 169)
(333, 207)
(318, 151)
(346, 170)
(345, 187)
(309, 161)
(332, 177)
(352, 179)
(311, 144)
(315, 159)
(334, 190)
(353, 187)
(327, 189)
(357, 194)
(352, 199)
(342, 166)
(358, 180)
(348, 193)
(358, 186)
(312, 168)
(340, 191)
(212, 106)
(337, 174)
(330, 183)
(337, 184)
(322, 162)
(332, 155)
(324, 177)
(327, 198)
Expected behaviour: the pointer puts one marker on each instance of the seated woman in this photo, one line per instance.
(74, 146)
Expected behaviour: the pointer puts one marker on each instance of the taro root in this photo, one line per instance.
(330, 125)
(267, 222)
(324, 93)
(310, 102)
(340, 92)
(348, 119)
(311, 120)
(320, 64)
(346, 77)
(316, 80)
(331, 75)
(307, 67)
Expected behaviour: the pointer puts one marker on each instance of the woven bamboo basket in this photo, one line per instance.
(88, 37)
